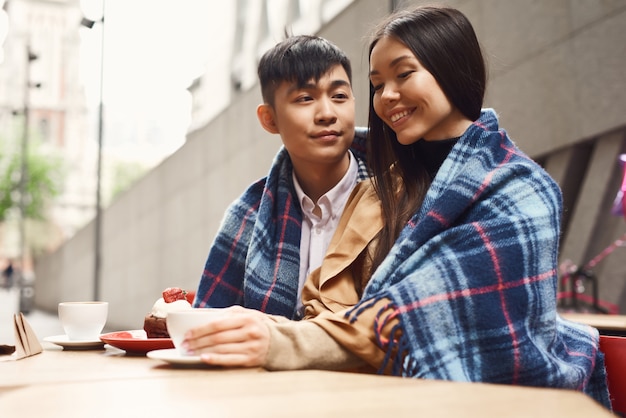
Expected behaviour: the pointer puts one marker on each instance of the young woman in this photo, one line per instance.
(465, 267)
(470, 245)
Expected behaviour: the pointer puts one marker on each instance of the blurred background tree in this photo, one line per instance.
(43, 180)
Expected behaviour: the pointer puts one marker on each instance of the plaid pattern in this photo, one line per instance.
(255, 258)
(472, 277)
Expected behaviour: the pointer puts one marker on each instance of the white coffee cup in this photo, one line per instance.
(83, 321)
(179, 322)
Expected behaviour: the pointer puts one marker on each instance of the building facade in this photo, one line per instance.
(256, 26)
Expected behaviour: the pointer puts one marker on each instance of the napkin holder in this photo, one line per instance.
(26, 342)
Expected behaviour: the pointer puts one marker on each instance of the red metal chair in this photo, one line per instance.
(614, 349)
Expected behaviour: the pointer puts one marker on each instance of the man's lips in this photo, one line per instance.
(326, 135)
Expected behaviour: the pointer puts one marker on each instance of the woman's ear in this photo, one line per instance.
(267, 118)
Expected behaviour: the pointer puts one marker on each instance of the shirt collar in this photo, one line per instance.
(332, 200)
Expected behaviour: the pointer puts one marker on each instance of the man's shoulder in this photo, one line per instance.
(253, 192)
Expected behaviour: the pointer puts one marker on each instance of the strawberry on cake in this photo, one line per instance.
(174, 299)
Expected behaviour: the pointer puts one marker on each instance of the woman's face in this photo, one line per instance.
(408, 98)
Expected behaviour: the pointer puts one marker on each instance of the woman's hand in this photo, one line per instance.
(240, 338)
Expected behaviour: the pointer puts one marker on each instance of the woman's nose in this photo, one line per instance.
(389, 94)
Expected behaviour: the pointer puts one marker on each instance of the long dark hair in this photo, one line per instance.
(444, 42)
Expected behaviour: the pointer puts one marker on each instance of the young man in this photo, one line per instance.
(278, 230)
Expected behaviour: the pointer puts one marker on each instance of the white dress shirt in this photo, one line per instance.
(317, 231)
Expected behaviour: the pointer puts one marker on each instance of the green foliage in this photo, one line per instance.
(9, 167)
(43, 181)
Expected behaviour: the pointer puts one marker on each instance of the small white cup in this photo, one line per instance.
(83, 321)
(179, 322)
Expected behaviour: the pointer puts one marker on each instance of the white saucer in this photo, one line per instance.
(172, 356)
(65, 342)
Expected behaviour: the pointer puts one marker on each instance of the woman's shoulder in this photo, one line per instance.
(490, 165)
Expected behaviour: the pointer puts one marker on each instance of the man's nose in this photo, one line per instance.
(326, 111)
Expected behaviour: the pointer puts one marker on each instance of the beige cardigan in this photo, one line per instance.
(324, 339)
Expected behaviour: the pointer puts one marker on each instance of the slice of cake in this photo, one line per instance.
(174, 299)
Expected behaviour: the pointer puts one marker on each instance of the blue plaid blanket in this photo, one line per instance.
(472, 278)
(254, 260)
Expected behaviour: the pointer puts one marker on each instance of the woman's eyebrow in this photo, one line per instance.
(392, 64)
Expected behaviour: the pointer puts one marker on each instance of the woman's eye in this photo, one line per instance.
(405, 74)
(377, 87)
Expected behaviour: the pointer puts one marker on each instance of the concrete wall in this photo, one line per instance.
(556, 79)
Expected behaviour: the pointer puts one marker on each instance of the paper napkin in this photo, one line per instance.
(26, 342)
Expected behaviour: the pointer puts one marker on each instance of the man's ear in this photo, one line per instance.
(267, 118)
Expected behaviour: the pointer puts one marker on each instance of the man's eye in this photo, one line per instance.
(304, 99)
(342, 96)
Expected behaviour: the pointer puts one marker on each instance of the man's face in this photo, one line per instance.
(316, 121)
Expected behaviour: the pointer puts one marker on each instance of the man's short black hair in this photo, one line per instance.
(299, 59)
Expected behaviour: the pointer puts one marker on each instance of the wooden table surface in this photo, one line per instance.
(609, 323)
(108, 383)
